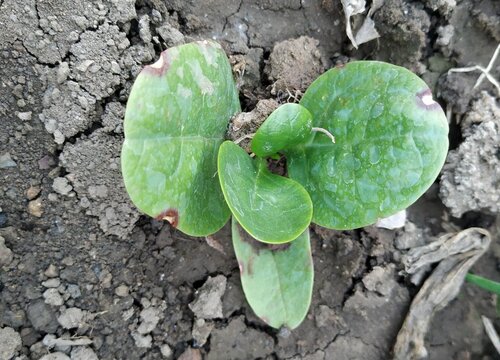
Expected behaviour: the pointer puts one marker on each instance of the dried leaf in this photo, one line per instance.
(492, 334)
(367, 32)
(456, 253)
(214, 243)
(351, 8)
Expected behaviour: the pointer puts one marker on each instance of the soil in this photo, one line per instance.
(85, 276)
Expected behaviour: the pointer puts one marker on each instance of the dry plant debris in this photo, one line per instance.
(456, 253)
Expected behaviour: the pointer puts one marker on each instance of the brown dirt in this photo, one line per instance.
(66, 70)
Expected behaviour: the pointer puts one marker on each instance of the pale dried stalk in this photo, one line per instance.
(492, 334)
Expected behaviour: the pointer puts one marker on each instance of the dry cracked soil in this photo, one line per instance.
(85, 276)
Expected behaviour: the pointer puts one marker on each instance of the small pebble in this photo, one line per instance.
(68, 261)
(166, 351)
(52, 283)
(55, 356)
(35, 207)
(83, 353)
(71, 318)
(6, 161)
(74, 291)
(24, 116)
(3, 219)
(42, 317)
(10, 343)
(149, 319)
(5, 253)
(61, 186)
(33, 192)
(122, 291)
(51, 271)
(52, 297)
(142, 341)
(46, 162)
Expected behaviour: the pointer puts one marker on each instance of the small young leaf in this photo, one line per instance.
(176, 119)
(287, 126)
(277, 279)
(272, 208)
(391, 142)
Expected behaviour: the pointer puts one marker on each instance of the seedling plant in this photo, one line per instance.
(366, 141)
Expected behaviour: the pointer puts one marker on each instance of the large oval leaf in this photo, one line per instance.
(391, 143)
(287, 126)
(277, 279)
(176, 119)
(272, 208)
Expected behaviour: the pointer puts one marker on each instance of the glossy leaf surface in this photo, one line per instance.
(272, 208)
(287, 126)
(175, 121)
(392, 140)
(277, 279)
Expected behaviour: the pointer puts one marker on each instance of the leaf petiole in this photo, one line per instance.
(324, 131)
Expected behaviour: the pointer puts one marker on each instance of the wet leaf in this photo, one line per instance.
(392, 140)
(277, 279)
(272, 208)
(287, 126)
(176, 119)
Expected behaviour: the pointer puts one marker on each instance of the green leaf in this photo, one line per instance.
(287, 126)
(176, 119)
(392, 140)
(277, 279)
(272, 208)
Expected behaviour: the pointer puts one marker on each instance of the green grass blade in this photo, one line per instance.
(486, 284)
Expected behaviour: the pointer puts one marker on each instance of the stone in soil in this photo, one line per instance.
(55, 356)
(142, 341)
(51, 271)
(52, 283)
(191, 354)
(33, 192)
(42, 317)
(411, 237)
(378, 280)
(61, 186)
(208, 303)
(83, 353)
(122, 290)
(201, 331)
(166, 351)
(71, 318)
(53, 297)
(5, 253)
(470, 175)
(10, 343)
(6, 161)
(237, 341)
(149, 319)
(35, 207)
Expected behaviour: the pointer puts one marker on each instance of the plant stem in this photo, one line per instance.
(324, 131)
(483, 283)
(244, 137)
